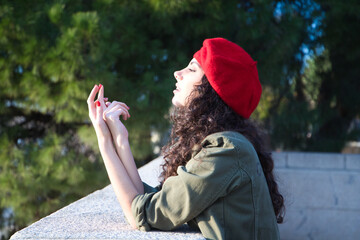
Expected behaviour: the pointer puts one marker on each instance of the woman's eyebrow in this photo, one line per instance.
(195, 63)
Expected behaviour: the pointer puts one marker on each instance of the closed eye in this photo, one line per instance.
(191, 70)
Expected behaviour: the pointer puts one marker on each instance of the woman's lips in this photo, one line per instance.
(177, 88)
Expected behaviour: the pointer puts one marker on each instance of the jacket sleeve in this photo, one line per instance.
(199, 183)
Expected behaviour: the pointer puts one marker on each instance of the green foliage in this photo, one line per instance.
(339, 99)
(53, 52)
(39, 177)
(321, 105)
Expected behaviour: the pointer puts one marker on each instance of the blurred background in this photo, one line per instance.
(53, 52)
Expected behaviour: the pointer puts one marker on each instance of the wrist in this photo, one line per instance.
(122, 141)
(119, 134)
(113, 123)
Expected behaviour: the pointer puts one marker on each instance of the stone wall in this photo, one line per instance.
(322, 193)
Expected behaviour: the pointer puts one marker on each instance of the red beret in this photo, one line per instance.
(232, 73)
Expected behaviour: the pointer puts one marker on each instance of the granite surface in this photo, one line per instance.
(99, 216)
(322, 199)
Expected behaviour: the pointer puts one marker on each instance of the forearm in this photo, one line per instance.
(123, 150)
(122, 184)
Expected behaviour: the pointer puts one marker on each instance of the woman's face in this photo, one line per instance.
(187, 79)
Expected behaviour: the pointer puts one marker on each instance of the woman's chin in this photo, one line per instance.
(175, 102)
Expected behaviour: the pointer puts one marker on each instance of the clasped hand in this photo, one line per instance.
(105, 116)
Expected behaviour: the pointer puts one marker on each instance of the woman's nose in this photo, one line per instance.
(177, 75)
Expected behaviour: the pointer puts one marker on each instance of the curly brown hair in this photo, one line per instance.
(205, 114)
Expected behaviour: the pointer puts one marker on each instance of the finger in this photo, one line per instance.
(107, 104)
(120, 112)
(93, 94)
(98, 109)
(114, 103)
(90, 100)
(126, 114)
(121, 103)
(101, 96)
(124, 105)
(115, 110)
(113, 106)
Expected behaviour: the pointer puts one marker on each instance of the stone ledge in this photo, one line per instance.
(352, 161)
(320, 189)
(280, 159)
(321, 198)
(320, 161)
(316, 160)
(320, 224)
(99, 216)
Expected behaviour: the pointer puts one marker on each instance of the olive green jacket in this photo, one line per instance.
(221, 189)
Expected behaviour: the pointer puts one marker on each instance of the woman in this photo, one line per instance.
(217, 176)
